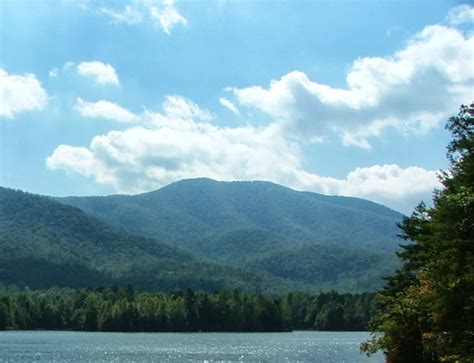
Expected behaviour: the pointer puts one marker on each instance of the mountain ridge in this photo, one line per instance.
(44, 243)
(238, 223)
(203, 199)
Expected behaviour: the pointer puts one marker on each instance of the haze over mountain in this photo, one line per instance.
(337, 240)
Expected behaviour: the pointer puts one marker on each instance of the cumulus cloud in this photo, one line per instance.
(175, 107)
(181, 142)
(229, 105)
(20, 93)
(411, 91)
(104, 109)
(101, 73)
(75, 159)
(391, 185)
(171, 147)
(161, 13)
(461, 14)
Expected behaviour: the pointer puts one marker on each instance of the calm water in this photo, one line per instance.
(42, 346)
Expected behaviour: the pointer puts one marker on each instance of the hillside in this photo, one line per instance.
(196, 212)
(328, 267)
(44, 243)
(251, 224)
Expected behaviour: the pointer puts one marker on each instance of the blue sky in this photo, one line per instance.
(344, 98)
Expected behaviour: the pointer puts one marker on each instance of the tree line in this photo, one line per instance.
(426, 311)
(125, 310)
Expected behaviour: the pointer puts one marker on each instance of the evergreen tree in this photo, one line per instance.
(426, 311)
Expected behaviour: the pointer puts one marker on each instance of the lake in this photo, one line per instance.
(42, 346)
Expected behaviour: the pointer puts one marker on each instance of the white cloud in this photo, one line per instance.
(411, 91)
(104, 109)
(176, 107)
(461, 14)
(68, 65)
(20, 93)
(53, 73)
(390, 185)
(165, 14)
(161, 13)
(172, 147)
(75, 159)
(181, 143)
(130, 15)
(229, 105)
(101, 73)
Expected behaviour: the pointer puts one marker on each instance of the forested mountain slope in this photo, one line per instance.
(44, 243)
(322, 241)
(202, 213)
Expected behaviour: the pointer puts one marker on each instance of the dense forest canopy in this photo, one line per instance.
(309, 239)
(200, 213)
(426, 311)
(45, 243)
(123, 309)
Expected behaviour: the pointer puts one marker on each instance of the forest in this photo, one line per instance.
(426, 310)
(125, 310)
(424, 313)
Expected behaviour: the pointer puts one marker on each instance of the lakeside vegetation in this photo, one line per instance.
(426, 311)
(124, 310)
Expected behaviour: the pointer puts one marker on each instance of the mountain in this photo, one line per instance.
(45, 243)
(328, 267)
(254, 224)
(196, 212)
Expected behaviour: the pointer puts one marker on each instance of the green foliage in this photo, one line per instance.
(123, 309)
(255, 236)
(426, 311)
(329, 267)
(331, 311)
(45, 243)
(195, 213)
(251, 224)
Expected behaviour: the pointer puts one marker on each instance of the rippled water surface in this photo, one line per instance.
(42, 346)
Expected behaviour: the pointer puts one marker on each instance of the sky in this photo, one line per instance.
(336, 97)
